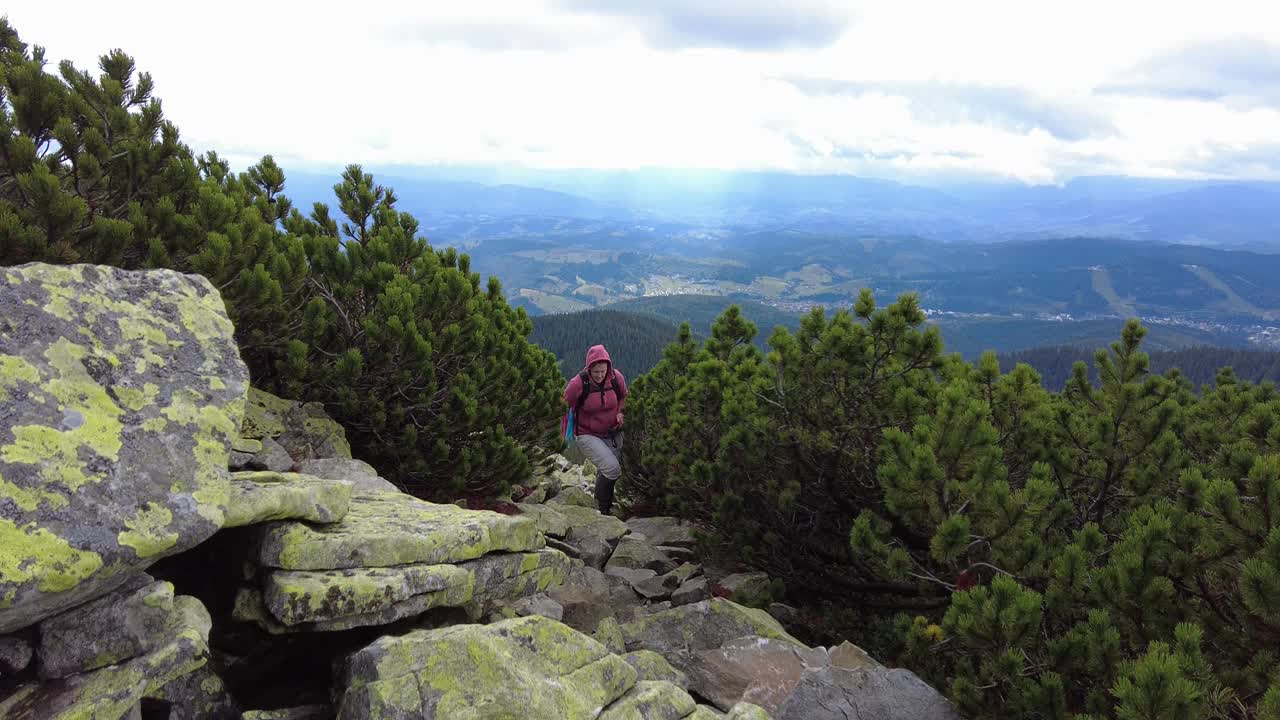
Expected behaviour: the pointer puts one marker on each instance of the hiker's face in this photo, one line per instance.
(598, 370)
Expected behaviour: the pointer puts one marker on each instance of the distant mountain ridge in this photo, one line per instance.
(1214, 213)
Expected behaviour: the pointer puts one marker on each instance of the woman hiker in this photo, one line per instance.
(597, 395)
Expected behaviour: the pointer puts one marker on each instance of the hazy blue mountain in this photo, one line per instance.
(1225, 214)
(426, 198)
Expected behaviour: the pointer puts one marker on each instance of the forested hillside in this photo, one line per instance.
(1199, 365)
(634, 340)
(700, 311)
(1103, 552)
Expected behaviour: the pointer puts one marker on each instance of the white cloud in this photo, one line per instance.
(1019, 89)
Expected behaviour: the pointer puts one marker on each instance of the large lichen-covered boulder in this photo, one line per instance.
(260, 496)
(386, 529)
(679, 632)
(114, 691)
(530, 668)
(120, 395)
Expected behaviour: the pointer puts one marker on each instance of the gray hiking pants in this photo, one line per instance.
(605, 454)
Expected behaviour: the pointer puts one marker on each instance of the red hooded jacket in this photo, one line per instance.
(599, 413)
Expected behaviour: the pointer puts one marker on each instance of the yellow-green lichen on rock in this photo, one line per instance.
(650, 665)
(651, 700)
(33, 554)
(149, 531)
(301, 596)
(113, 452)
(263, 415)
(261, 496)
(384, 529)
(527, 668)
(332, 600)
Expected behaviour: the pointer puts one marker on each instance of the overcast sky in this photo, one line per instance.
(1027, 89)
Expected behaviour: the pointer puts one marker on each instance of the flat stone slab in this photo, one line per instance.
(321, 601)
(307, 596)
(262, 496)
(389, 529)
(357, 472)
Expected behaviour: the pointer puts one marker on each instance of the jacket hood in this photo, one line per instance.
(596, 354)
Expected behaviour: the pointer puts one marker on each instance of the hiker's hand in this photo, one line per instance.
(619, 419)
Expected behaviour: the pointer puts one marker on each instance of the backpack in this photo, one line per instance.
(569, 424)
